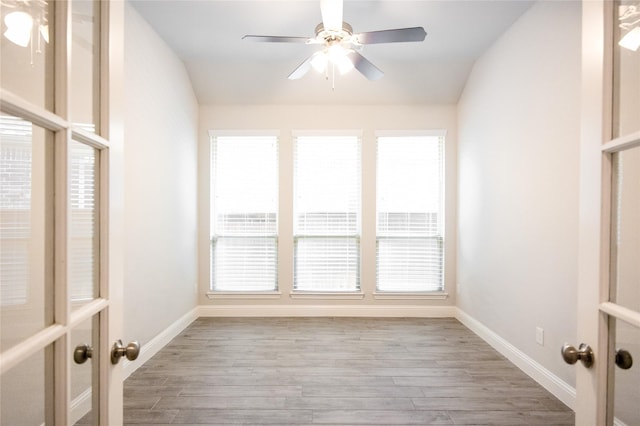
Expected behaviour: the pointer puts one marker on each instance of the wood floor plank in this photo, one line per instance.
(262, 417)
(364, 391)
(218, 402)
(381, 417)
(348, 403)
(136, 416)
(338, 371)
(484, 417)
(241, 391)
(478, 403)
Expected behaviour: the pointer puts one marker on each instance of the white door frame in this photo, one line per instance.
(591, 401)
(112, 79)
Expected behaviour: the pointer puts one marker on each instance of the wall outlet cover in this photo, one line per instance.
(540, 336)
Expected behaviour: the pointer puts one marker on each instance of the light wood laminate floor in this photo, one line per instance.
(339, 371)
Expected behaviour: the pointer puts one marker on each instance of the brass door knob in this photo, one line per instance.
(118, 350)
(82, 352)
(584, 353)
(624, 360)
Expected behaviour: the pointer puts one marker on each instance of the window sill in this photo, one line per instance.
(327, 295)
(244, 295)
(409, 295)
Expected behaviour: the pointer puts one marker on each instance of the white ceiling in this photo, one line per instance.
(224, 69)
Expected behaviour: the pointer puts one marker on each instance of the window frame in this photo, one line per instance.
(215, 238)
(355, 236)
(441, 220)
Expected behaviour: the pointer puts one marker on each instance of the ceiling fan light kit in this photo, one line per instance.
(27, 23)
(340, 46)
(629, 23)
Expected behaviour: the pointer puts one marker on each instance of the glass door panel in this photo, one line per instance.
(625, 245)
(84, 374)
(25, 391)
(626, 93)
(26, 297)
(83, 224)
(26, 50)
(626, 375)
(624, 289)
(85, 64)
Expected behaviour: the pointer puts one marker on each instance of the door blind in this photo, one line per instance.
(244, 203)
(327, 213)
(410, 213)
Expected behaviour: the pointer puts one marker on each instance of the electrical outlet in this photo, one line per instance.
(540, 336)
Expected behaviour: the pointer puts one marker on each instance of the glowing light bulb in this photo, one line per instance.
(338, 56)
(631, 40)
(319, 61)
(19, 25)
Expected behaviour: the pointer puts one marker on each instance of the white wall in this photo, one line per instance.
(518, 184)
(308, 117)
(161, 184)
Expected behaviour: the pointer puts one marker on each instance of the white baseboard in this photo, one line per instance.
(80, 406)
(150, 348)
(558, 387)
(413, 311)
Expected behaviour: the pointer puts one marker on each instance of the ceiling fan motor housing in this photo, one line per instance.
(345, 34)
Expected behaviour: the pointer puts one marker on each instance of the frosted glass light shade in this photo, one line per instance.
(338, 56)
(319, 62)
(344, 64)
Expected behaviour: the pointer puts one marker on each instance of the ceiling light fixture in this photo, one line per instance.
(27, 22)
(340, 46)
(335, 55)
(629, 18)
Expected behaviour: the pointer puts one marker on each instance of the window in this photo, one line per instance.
(244, 204)
(327, 213)
(410, 216)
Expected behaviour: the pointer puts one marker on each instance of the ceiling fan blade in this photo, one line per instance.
(331, 14)
(277, 39)
(302, 69)
(392, 36)
(364, 66)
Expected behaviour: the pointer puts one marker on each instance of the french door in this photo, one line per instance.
(608, 390)
(61, 211)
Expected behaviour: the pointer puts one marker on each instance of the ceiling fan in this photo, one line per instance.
(340, 45)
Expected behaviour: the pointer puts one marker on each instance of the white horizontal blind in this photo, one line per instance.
(410, 216)
(15, 209)
(83, 222)
(244, 205)
(327, 213)
(16, 263)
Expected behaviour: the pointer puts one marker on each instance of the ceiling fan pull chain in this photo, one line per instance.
(333, 77)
